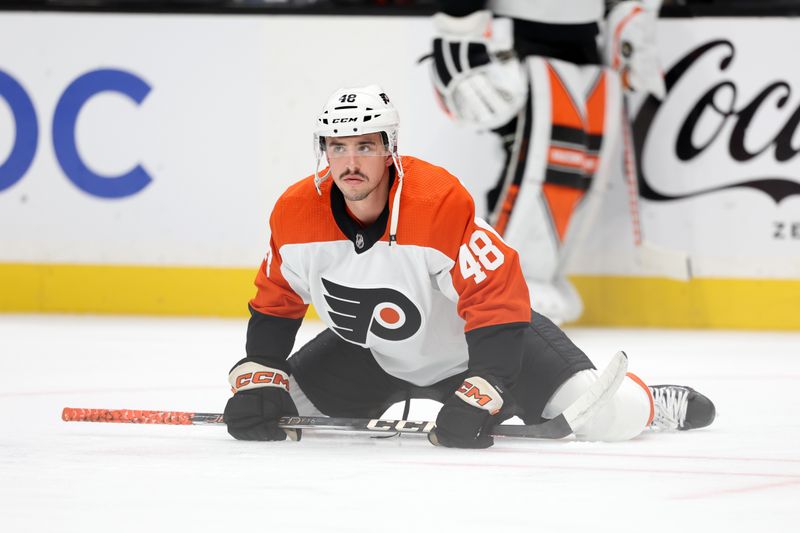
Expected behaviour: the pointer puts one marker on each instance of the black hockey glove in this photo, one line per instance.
(261, 397)
(466, 418)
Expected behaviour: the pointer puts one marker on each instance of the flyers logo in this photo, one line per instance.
(386, 313)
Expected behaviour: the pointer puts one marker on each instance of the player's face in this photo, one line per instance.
(359, 164)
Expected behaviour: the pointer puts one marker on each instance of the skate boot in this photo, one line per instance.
(680, 408)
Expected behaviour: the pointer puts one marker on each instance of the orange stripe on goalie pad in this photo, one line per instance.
(562, 202)
(564, 111)
(642, 384)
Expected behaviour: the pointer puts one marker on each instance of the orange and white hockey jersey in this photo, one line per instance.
(446, 296)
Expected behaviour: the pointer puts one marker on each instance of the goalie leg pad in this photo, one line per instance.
(558, 154)
(624, 417)
(556, 174)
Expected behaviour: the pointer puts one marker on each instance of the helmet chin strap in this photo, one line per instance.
(319, 179)
(396, 203)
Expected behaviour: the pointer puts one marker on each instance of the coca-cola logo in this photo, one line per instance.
(723, 115)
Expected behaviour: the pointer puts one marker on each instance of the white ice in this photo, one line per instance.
(740, 475)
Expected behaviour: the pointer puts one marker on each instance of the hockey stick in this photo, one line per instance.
(559, 427)
(674, 264)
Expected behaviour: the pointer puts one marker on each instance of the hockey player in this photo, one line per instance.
(534, 76)
(419, 297)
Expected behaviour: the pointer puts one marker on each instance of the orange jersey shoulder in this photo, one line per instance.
(302, 215)
(435, 208)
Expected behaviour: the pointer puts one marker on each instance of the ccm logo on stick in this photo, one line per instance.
(401, 425)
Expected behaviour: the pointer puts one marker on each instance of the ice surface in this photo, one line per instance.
(740, 475)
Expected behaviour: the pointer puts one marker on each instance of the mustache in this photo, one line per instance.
(350, 173)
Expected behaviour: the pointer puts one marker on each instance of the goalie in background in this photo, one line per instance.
(531, 71)
(421, 299)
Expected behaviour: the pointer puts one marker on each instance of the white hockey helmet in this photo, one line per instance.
(357, 111)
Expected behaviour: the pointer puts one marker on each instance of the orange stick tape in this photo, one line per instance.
(127, 416)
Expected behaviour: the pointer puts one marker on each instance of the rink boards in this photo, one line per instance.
(140, 156)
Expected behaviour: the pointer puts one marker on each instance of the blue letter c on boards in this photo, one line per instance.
(66, 115)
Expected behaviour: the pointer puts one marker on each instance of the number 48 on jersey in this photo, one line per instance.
(480, 255)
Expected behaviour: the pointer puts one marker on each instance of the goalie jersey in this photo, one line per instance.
(447, 295)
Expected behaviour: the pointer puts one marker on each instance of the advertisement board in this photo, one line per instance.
(140, 156)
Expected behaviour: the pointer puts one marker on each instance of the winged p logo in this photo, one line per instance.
(356, 312)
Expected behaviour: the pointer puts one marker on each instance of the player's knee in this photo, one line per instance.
(624, 417)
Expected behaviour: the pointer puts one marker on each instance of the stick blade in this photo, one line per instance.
(556, 428)
(673, 264)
